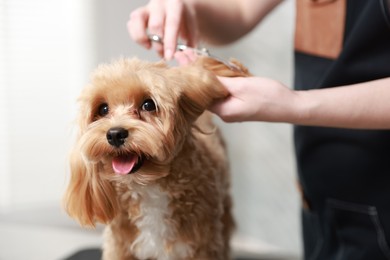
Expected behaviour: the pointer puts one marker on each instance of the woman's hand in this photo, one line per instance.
(214, 22)
(256, 99)
(361, 106)
(169, 19)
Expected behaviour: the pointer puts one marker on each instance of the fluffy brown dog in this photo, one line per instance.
(150, 164)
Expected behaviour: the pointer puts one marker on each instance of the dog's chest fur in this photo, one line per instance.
(155, 230)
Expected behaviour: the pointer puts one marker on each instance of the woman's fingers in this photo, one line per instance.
(137, 26)
(168, 19)
(173, 21)
(156, 23)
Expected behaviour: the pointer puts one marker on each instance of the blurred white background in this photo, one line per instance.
(47, 50)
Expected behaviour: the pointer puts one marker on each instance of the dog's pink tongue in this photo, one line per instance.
(123, 164)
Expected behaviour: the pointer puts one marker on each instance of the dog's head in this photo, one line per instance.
(133, 119)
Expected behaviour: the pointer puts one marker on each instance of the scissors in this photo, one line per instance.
(198, 51)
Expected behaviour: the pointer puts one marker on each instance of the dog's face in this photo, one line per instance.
(133, 121)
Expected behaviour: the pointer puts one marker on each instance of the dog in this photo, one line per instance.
(150, 164)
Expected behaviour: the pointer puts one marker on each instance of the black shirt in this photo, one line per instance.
(346, 165)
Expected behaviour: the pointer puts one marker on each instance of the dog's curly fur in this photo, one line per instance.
(163, 188)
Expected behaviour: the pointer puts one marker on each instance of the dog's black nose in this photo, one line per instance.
(116, 136)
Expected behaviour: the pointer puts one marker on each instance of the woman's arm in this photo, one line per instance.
(222, 22)
(364, 105)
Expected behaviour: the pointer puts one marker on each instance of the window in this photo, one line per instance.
(45, 59)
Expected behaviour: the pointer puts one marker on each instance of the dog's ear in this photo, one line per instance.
(89, 197)
(221, 69)
(199, 88)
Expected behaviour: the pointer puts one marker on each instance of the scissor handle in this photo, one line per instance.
(199, 51)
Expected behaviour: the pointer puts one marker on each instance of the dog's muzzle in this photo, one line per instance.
(125, 163)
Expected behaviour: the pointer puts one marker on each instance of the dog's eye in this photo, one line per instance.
(148, 105)
(103, 109)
